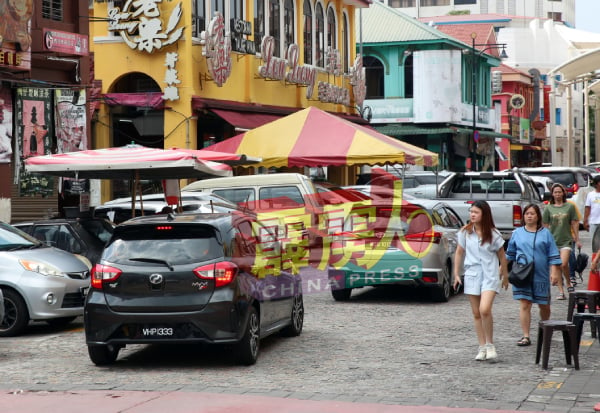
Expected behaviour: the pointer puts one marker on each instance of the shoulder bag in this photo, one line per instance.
(521, 273)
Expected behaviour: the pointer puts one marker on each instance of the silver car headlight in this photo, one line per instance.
(41, 268)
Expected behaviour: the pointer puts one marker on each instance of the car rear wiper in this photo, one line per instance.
(154, 260)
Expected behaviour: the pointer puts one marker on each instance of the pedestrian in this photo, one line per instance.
(547, 262)
(560, 217)
(480, 251)
(591, 213)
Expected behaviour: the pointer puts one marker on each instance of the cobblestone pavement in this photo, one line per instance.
(387, 346)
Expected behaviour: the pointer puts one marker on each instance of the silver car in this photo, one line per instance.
(38, 282)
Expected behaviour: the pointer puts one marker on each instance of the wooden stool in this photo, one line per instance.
(569, 331)
(580, 318)
(581, 299)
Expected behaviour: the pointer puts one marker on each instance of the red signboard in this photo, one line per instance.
(65, 42)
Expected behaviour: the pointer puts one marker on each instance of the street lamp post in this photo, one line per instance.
(475, 54)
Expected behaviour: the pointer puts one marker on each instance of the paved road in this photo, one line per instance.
(384, 346)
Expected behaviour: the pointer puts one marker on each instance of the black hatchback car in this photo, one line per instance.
(191, 278)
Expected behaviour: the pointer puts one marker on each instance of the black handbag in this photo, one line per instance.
(521, 273)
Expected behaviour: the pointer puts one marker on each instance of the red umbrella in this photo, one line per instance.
(126, 162)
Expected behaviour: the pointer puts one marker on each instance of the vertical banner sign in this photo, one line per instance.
(6, 128)
(71, 131)
(34, 131)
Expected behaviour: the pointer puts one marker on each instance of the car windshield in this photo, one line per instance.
(12, 238)
(428, 179)
(564, 178)
(172, 244)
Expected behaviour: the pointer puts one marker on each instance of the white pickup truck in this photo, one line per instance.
(507, 193)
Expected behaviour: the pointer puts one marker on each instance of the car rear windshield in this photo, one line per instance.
(564, 178)
(175, 244)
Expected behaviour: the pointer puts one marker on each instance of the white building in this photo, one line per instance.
(563, 10)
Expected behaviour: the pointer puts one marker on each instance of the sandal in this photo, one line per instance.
(571, 289)
(524, 341)
(561, 296)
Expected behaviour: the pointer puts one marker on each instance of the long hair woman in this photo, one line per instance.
(480, 251)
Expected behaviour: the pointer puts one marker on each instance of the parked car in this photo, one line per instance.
(206, 278)
(119, 210)
(84, 235)
(332, 194)
(410, 244)
(39, 282)
(420, 184)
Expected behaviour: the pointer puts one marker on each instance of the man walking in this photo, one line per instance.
(591, 216)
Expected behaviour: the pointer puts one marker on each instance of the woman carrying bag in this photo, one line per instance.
(546, 258)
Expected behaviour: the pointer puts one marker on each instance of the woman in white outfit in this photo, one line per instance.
(480, 250)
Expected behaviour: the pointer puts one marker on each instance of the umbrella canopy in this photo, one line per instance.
(224, 157)
(312, 137)
(126, 162)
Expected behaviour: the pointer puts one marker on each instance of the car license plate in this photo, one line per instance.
(157, 331)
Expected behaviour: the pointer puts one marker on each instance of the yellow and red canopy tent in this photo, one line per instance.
(312, 137)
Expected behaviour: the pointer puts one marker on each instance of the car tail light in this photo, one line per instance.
(104, 273)
(222, 272)
(430, 236)
(430, 278)
(575, 188)
(517, 216)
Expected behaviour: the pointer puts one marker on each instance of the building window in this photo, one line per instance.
(52, 10)
(274, 19)
(408, 77)
(198, 17)
(555, 16)
(308, 22)
(374, 77)
(217, 5)
(331, 29)
(426, 3)
(402, 3)
(289, 28)
(236, 10)
(557, 116)
(320, 32)
(461, 2)
(346, 46)
(259, 23)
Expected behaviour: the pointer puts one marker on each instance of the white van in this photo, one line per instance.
(262, 192)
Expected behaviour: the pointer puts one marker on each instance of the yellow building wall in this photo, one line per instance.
(114, 59)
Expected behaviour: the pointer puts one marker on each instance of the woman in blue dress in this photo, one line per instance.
(547, 267)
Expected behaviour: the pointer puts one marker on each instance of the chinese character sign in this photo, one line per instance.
(34, 131)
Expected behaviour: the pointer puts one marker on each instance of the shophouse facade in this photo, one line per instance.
(430, 89)
(191, 73)
(44, 71)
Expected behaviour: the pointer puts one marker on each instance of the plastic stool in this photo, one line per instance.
(580, 318)
(569, 331)
(582, 299)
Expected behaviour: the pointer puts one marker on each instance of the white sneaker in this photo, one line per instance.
(490, 352)
(482, 353)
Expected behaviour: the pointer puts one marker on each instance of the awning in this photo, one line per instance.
(400, 130)
(141, 99)
(519, 147)
(578, 66)
(245, 120)
(489, 133)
